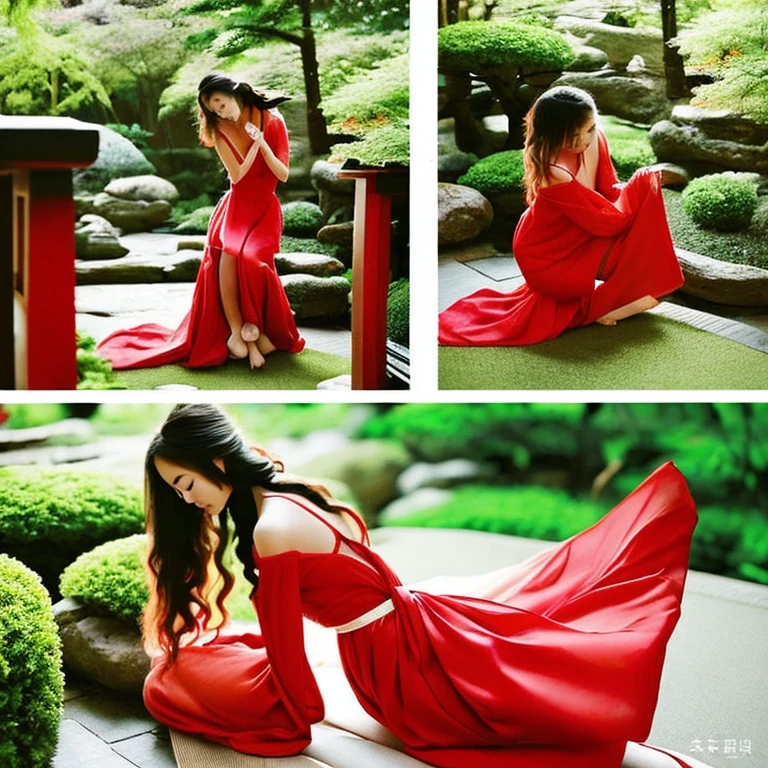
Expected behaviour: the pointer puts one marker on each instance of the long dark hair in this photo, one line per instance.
(245, 94)
(553, 119)
(186, 545)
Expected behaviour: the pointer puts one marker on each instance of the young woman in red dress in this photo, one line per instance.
(239, 307)
(581, 225)
(556, 661)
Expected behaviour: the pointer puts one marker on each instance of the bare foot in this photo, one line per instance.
(236, 346)
(265, 344)
(633, 308)
(250, 332)
(255, 358)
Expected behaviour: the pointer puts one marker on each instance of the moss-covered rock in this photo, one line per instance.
(302, 219)
(110, 579)
(31, 681)
(50, 516)
(398, 312)
(290, 244)
(196, 223)
(495, 174)
(389, 145)
(483, 47)
(721, 201)
(311, 296)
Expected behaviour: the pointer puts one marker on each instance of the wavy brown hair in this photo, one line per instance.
(245, 95)
(556, 116)
(188, 579)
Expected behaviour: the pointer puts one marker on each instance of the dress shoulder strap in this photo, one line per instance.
(562, 168)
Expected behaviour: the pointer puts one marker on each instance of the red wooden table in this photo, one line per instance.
(37, 248)
(374, 190)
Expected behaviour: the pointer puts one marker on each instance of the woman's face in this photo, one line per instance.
(224, 105)
(193, 487)
(584, 136)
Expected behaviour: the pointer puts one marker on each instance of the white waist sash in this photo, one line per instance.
(368, 617)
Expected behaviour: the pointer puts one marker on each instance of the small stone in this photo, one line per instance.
(308, 264)
(337, 234)
(147, 187)
(191, 243)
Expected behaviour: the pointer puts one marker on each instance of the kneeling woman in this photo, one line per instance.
(581, 226)
(239, 307)
(553, 662)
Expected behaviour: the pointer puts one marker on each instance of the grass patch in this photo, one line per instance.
(630, 148)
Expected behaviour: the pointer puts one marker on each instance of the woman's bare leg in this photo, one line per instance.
(633, 308)
(230, 301)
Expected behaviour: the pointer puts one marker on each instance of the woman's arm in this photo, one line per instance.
(275, 164)
(235, 169)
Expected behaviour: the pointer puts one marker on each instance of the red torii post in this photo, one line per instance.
(374, 189)
(37, 248)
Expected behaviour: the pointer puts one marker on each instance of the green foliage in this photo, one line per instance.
(398, 312)
(372, 97)
(93, 370)
(731, 45)
(134, 133)
(110, 578)
(290, 244)
(630, 147)
(183, 209)
(195, 223)
(389, 145)
(25, 415)
(721, 201)
(747, 247)
(302, 219)
(486, 47)
(31, 681)
(497, 173)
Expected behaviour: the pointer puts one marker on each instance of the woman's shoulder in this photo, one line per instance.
(557, 175)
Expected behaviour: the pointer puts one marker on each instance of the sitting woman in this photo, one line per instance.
(239, 307)
(581, 226)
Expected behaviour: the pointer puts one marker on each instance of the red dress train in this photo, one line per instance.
(568, 236)
(246, 224)
(562, 667)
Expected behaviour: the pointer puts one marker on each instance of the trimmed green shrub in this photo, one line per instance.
(110, 579)
(398, 309)
(93, 370)
(720, 201)
(500, 172)
(388, 145)
(302, 219)
(290, 244)
(50, 516)
(31, 680)
(482, 46)
(196, 223)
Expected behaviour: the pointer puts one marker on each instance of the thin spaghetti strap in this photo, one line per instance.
(562, 168)
(338, 535)
(235, 150)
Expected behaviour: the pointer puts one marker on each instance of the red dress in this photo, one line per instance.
(247, 224)
(560, 244)
(561, 668)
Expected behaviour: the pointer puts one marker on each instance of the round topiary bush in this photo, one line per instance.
(110, 579)
(31, 681)
(398, 311)
(497, 173)
(49, 517)
(302, 219)
(720, 201)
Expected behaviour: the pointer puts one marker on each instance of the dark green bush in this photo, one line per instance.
(50, 516)
(196, 223)
(720, 201)
(398, 309)
(497, 173)
(388, 145)
(31, 681)
(134, 133)
(482, 46)
(110, 579)
(302, 219)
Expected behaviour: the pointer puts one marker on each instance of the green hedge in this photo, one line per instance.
(480, 46)
(398, 312)
(31, 680)
(720, 201)
(110, 578)
(301, 219)
(48, 517)
(497, 173)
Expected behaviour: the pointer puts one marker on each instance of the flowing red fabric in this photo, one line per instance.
(561, 667)
(569, 237)
(246, 224)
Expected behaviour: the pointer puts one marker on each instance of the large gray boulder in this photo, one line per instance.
(96, 238)
(423, 498)
(685, 144)
(312, 296)
(117, 157)
(147, 187)
(179, 267)
(335, 195)
(131, 215)
(106, 651)
(317, 264)
(721, 124)
(620, 44)
(640, 99)
(587, 59)
(337, 234)
(443, 474)
(462, 213)
(721, 282)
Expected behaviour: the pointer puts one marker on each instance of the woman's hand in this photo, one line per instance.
(255, 133)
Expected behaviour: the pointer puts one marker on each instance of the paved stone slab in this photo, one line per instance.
(179, 266)
(79, 748)
(498, 268)
(110, 716)
(150, 750)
